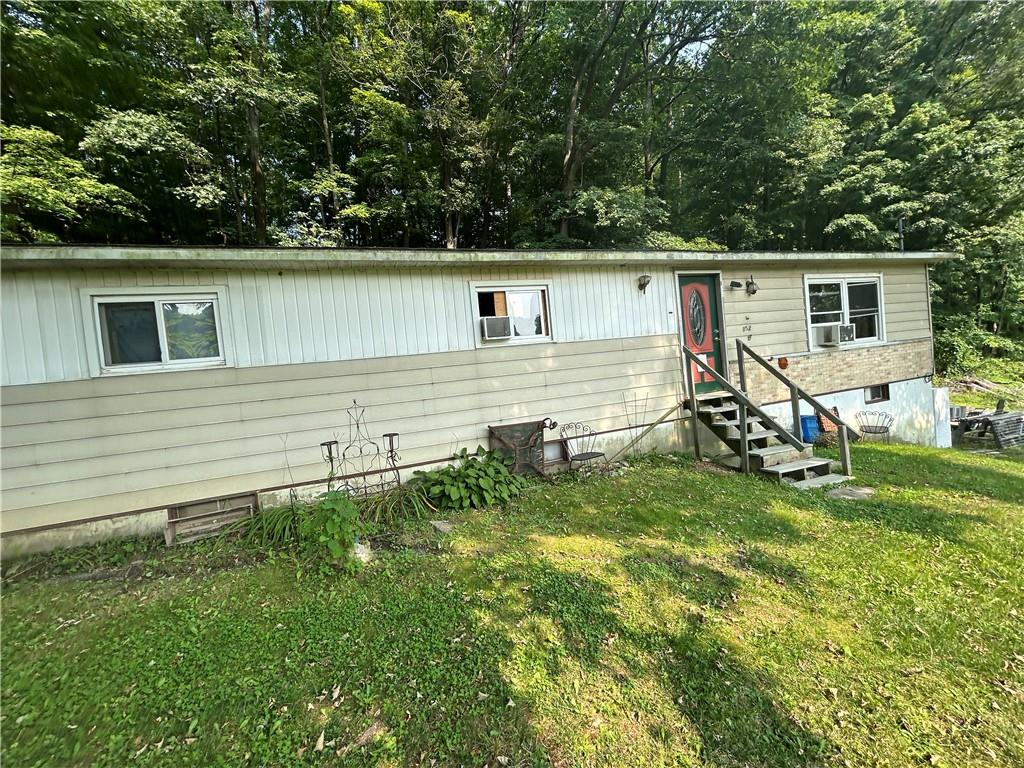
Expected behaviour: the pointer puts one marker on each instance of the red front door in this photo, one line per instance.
(702, 333)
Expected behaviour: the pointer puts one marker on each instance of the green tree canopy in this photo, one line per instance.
(518, 123)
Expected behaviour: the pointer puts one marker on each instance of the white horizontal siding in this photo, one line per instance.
(297, 316)
(312, 316)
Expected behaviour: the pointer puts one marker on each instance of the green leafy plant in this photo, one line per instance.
(330, 526)
(404, 502)
(327, 527)
(473, 481)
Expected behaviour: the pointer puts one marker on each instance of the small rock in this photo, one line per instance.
(443, 526)
(362, 552)
(854, 492)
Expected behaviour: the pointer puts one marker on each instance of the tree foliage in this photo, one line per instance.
(524, 123)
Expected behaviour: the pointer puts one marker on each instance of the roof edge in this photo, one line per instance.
(155, 257)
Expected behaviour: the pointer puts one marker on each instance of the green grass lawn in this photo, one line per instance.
(666, 616)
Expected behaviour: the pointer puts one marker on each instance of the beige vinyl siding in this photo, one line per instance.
(774, 321)
(81, 449)
(907, 315)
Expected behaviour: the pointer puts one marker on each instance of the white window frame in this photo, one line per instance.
(488, 286)
(885, 394)
(92, 298)
(844, 280)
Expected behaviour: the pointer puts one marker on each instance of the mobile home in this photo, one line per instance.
(139, 378)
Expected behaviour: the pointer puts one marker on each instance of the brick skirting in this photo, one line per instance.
(840, 369)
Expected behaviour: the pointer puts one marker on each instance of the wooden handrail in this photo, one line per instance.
(796, 393)
(741, 397)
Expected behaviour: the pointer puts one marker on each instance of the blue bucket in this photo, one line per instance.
(810, 429)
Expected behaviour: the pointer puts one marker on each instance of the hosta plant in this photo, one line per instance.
(472, 481)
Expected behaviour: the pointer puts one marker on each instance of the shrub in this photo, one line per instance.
(327, 527)
(473, 481)
(330, 526)
(962, 348)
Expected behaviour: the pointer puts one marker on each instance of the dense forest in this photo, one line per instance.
(778, 126)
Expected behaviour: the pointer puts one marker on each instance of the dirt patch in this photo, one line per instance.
(713, 468)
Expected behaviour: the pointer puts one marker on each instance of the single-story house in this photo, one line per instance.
(139, 378)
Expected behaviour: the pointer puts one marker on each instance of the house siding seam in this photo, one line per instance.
(210, 433)
(841, 369)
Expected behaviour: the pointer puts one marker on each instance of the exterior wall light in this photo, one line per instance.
(752, 287)
(642, 282)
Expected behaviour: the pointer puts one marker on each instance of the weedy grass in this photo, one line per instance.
(665, 616)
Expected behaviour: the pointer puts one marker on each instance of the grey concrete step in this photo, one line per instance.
(821, 481)
(802, 469)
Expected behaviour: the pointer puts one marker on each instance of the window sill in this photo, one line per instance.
(482, 344)
(131, 370)
(850, 345)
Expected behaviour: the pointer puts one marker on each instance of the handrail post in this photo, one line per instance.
(691, 390)
(794, 400)
(844, 451)
(744, 448)
(740, 365)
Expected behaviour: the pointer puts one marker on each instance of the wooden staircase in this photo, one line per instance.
(768, 453)
(758, 443)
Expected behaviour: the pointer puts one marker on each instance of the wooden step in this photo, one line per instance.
(736, 422)
(767, 457)
(778, 454)
(821, 481)
(718, 394)
(761, 434)
(801, 469)
(719, 408)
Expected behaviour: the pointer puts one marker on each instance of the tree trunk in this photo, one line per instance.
(259, 180)
(325, 125)
(451, 230)
(261, 22)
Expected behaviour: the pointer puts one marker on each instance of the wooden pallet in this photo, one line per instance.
(1008, 429)
(198, 520)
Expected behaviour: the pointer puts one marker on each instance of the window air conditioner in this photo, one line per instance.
(826, 335)
(496, 328)
(847, 333)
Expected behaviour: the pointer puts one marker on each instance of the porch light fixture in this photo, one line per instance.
(642, 282)
(752, 287)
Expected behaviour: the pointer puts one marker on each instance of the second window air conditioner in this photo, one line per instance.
(834, 335)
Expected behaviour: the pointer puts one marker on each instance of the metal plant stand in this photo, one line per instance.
(360, 468)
